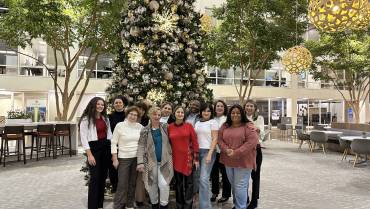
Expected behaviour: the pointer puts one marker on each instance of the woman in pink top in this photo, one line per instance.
(237, 139)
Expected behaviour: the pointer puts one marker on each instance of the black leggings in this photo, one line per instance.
(215, 178)
(112, 171)
(98, 173)
(256, 175)
(184, 190)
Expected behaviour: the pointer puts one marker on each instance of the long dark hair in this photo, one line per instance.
(225, 107)
(255, 114)
(90, 111)
(244, 118)
(203, 107)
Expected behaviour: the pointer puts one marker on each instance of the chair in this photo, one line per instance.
(43, 132)
(318, 127)
(344, 144)
(283, 130)
(319, 137)
(13, 133)
(303, 137)
(61, 131)
(360, 146)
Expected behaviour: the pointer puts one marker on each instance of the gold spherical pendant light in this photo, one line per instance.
(363, 19)
(297, 59)
(334, 15)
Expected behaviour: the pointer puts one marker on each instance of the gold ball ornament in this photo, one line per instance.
(168, 76)
(206, 22)
(297, 59)
(334, 15)
(124, 82)
(363, 19)
(188, 50)
(154, 5)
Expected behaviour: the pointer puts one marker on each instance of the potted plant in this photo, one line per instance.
(18, 116)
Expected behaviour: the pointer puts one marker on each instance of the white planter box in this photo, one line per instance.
(17, 121)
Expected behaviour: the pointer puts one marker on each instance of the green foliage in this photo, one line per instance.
(71, 28)
(62, 23)
(169, 61)
(254, 31)
(338, 52)
(344, 60)
(18, 114)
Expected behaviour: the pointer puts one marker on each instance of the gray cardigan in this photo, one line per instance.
(146, 155)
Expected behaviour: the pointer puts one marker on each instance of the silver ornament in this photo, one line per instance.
(154, 5)
(178, 94)
(124, 82)
(134, 31)
(188, 50)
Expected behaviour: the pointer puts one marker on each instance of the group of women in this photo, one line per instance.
(152, 146)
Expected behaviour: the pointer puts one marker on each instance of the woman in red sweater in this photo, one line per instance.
(185, 150)
(238, 139)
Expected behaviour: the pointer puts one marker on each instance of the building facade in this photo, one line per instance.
(25, 83)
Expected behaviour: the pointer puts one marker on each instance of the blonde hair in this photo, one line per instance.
(152, 110)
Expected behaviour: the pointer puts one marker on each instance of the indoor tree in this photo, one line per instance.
(71, 28)
(343, 59)
(249, 35)
(161, 54)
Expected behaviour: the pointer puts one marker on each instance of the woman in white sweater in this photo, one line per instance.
(125, 142)
(220, 112)
(250, 108)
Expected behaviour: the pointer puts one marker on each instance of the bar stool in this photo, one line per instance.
(43, 132)
(61, 131)
(13, 133)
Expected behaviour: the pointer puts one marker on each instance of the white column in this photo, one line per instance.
(12, 101)
(364, 112)
(319, 111)
(308, 112)
(344, 113)
(269, 111)
(291, 104)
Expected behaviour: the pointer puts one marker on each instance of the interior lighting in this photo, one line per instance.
(297, 59)
(337, 15)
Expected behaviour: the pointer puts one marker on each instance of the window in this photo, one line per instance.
(8, 60)
(101, 70)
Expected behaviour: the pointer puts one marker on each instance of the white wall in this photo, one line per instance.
(5, 106)
(201, 5)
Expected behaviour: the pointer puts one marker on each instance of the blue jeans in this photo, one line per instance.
(239, 180)
(205, 172)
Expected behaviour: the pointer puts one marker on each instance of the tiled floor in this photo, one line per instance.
(291, 179)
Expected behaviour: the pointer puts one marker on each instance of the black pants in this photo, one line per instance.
(98, 173)
(184, 190)
(256, 176)
(215, 178)
(113, 174)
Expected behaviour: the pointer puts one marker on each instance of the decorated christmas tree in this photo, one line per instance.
(161, 55)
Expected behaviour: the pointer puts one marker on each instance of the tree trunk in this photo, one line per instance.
(356, 110)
